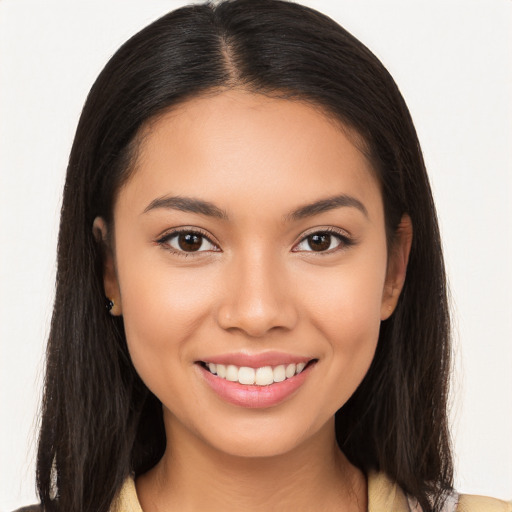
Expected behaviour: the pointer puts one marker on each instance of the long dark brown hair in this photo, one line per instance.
(99, 421)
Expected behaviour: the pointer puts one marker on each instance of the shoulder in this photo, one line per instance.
(126, 500)
(385, 495)
(470, 503)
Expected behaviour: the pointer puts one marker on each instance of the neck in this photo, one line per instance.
(193, 475)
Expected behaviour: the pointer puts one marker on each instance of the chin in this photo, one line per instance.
(265, 437)
(256, 447)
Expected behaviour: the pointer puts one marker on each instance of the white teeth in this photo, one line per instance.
(221, 371)
(246, 375)
(290, 370)
(279, 373)
(232, 373)
(263, 376)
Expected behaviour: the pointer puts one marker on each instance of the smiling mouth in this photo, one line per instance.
(263, 376)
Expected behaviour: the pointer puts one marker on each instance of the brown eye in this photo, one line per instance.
(319, 241)
(190, 241)
(187, 242)
(322, 241)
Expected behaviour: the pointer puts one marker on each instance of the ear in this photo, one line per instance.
(110, 281)
(397, 266)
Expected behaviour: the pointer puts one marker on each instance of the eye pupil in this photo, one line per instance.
(319, 241)
(190, 241)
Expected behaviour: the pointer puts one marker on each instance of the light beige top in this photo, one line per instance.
(383, 496)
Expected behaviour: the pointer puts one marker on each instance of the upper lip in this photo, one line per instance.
(256, 360)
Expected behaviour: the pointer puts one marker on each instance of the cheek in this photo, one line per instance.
(351, 323)
(347, 315)
(349, 304)
(353, 331)
(162, 309)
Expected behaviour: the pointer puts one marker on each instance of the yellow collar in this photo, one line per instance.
(383, 496)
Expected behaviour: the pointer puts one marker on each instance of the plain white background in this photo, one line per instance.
(453, 63)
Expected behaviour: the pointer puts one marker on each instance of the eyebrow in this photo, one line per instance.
(187, 204)
(324, 205)
(194, 205)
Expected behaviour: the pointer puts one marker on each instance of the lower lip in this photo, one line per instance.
(252, 396)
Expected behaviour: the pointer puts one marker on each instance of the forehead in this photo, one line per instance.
(223, 144)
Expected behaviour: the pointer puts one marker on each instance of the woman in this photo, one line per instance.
(246, 189)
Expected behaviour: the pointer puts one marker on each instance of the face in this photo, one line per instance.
(251, 269)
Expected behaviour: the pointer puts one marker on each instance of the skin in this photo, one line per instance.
(258, 286)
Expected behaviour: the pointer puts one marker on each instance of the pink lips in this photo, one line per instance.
(252, 396)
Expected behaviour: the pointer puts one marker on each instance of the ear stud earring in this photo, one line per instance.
(109, 305)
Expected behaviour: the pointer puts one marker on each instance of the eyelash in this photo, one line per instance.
(344, 241)
(167, 237)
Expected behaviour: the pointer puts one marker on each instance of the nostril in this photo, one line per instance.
(256, 315)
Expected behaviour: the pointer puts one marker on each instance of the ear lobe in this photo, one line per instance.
(110, 281)
(397, 266)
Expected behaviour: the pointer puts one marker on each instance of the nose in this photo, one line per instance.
(258, 298)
